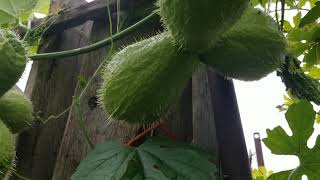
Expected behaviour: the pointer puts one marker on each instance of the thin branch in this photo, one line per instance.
(283, 3)
(291, 9)
(92, 47)
(143, 134)
(276, 13)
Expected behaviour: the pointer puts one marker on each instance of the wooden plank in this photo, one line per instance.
(50, 87)
(232, 147)
(73, 16)
(74, 147)
(204, 130)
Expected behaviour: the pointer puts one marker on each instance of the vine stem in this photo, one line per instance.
(143, 134)
(92, 47)
(161, 126)
(283, 2)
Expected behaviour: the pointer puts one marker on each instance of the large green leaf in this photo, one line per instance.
(24, 5)
(12, 9)
(311, 16)
(7, 11)
(156, 159)
(42, 6)
(312, 57)
(301, 118)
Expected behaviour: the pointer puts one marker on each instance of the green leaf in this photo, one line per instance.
(301, 3)
(318, 118)
(297, 19)
(311, 16)
(255, 2)
(313, 72)
(297, 48)
(312, 3)
(284, 175)
(7, 11)
(301, 118)
(263, 3)
(287, 26)
(42, 6)
(311, 57)
(290, 3)
(157, 159)
(23, 6)
(260, 173)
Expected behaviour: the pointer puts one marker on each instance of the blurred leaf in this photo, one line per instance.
(157, 158)
(312, 3)
(42, 6)
(283, 175)
(290, 3)
(288, 101)
(297, 48)
(287, 26)
(24, 5)
(311, 57)
(309, 33)
(7, 11)
(260, 173)
(255, 2)
(313, 72)
(301, 3)
(295, 35)
(318, 118)
(301, 118)
(311, 16)
(297, 19)
(263, 3)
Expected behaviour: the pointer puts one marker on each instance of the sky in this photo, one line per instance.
(257, 104)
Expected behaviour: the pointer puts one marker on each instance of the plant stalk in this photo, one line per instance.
(92, 47)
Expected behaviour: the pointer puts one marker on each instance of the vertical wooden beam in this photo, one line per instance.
(51, 86)
(232, 147)
(74, 146)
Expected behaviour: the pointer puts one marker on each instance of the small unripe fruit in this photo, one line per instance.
(7, 150)
(251, 49)
(16, 111)
(13, 60)
(197, 24)
(144, 79)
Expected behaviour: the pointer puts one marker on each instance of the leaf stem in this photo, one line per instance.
(283, 3)
(143, 134)
(92, 47)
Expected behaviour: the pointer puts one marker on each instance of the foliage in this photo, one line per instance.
(157, 158)
(300, 75)
(300, 117)
(261, 173)
(20, 10)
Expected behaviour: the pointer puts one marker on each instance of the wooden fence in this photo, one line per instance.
(206, 115)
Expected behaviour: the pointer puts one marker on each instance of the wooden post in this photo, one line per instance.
(51, 86)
